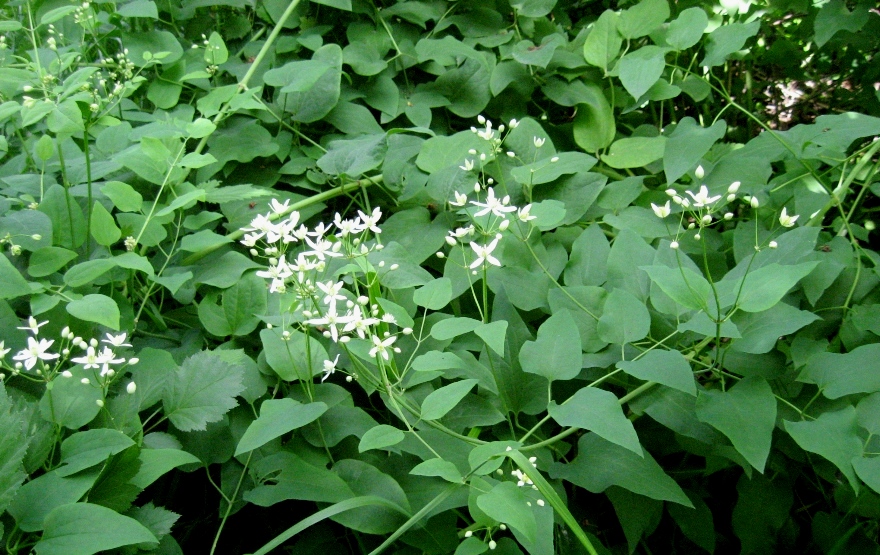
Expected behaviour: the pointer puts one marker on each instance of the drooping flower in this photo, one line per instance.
(116, 340)
(329, 367)
(32, 325)
(785, 220)
(661, 211)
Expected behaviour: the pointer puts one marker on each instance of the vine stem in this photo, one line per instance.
(231, 502)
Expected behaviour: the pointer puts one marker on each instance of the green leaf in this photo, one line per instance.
(669, 368)
(85, 449)
(604, 41)
(238, 312)
(155, 463)
(507, 503)
(868, 469)
(556, 353)
(594, 126)
(639, 70)
(532, 8)
(746, 414)
(687, 144)
(71, 403)
(834, 435)
(599, 411)
(868, 411)
(200, 391)
(139, 8)
(696, 524)
(683, 285)
(763, 287)
(157, 520)
(834, 17)
(687, 29)
(278, 417)
(638, 515)
(844, 374)
(728, 39)
(443, 400)
(14, 285)
(215, 51)
(72, 530)
(354, 157)
(87, 272)
(365, 479)
(634, 152)
(311, 88)
(338, 4)
(104, 228)
(13, 447)
(493, 334)
(289, 358)
(442, 151)
(624, 319)
(453, 327)
(527, 53)
(438, 467)
(642, 18)
(761, 330)
(96, 308)
(380, 437)
(41, 495)
(546, 170)
(601, 464)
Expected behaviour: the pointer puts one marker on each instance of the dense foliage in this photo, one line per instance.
(525, 276)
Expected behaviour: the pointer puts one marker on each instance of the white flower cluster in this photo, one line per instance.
(39, 359)
(326, 304)
(703, 207)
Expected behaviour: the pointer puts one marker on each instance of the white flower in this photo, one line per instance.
(538, 141)
(702, 198)
(106, 358)
(329, 367)
(321, 248)
(523, 213)
(332, 292)
(358, 323)
(468, 165)
(370, 222)
(277, 207)
(332, 320)
(380, 346)
(116, 340)
(522, 477)
(484, 254)
(90, 360)
(35, 351)
(493, 205)
(346, 227)
(661, 211)
(3, 350)
(32, 325)
(460, 199)
(785, 220)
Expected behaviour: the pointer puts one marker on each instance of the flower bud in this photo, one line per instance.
(673, 245)
(731, 197)
(773, 244)
(754, 202)
(699, 173)
(734, 187)
(492, 544)
(728, 216)
(131, 388)
(99, 402)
